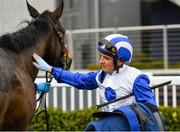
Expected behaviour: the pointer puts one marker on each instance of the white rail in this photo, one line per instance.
(69, 98)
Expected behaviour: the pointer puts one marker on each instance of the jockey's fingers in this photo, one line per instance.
(35, 64)
(37, 58)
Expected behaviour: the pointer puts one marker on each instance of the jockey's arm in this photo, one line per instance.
(79, 80)
(142, 90)
(82, 81)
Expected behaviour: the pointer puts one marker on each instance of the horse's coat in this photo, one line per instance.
(44, 36)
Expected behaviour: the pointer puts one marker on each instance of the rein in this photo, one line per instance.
(48, 79)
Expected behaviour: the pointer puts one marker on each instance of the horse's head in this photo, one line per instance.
(56, 51)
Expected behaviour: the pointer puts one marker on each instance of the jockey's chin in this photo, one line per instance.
(107, 69)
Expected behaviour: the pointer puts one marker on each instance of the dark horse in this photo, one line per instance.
(44, 36)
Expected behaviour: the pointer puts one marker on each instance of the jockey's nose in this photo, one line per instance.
(101, 60)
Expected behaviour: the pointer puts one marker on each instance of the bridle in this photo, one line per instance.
(66, 64)
(63, 59)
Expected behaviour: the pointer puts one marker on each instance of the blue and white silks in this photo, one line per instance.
(115, 85)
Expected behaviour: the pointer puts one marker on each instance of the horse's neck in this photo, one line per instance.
(27, 59)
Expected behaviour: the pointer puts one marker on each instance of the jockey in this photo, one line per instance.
(115, 79)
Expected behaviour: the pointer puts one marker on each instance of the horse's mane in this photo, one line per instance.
(26, 37)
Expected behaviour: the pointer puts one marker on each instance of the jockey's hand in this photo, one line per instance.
(41, 64)
(42, 87)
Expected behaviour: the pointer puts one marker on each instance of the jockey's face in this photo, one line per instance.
(106, 63)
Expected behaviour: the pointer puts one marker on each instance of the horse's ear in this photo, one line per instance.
(32, 11)
(56, 14)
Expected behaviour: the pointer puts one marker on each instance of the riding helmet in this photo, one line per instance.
(116, 45)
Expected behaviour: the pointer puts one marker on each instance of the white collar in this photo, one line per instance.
(120, 70)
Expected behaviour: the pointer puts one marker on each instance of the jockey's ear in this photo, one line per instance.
(120, 62)
(32, 11)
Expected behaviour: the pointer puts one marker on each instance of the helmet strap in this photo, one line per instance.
(116, 66)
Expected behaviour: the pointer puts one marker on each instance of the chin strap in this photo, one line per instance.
(116, 66)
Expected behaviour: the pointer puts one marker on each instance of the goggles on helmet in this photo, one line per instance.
(108, 46)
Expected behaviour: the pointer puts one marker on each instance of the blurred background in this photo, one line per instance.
(153, 26)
